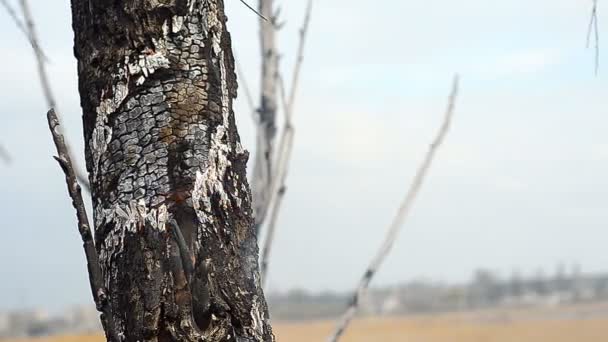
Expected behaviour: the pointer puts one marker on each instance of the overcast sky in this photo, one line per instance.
(522, 182)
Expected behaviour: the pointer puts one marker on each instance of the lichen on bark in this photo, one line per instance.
(156, 80)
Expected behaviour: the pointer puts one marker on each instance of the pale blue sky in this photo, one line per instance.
(522, 181)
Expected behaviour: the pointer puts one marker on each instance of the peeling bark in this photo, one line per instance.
(156, 80)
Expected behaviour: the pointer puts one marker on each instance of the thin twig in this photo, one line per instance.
(65, 161)
(399, 219)
(4, 155)
(93, 266)
(594, 29)
(285, 147)
(30, 32)
(279, 193)
(300, 57)
(13, 14)
(253, 9)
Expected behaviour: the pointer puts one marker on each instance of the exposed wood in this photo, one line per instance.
(157, 81)
(399, 219)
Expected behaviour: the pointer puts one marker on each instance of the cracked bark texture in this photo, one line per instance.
(156, 81)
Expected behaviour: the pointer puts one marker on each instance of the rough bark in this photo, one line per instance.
(172, 207)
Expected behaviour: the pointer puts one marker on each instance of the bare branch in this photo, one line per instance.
(94, 268)
(266, 118)
(279, 188)
(11, 12)
(30, 31)
(399, 219)
(285, 147)
(593, 29)
(4, 155)
(254, 11)
(300, 58)
(65, 161)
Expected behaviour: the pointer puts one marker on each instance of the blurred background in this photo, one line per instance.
(508, 236)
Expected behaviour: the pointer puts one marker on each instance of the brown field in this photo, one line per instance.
(430, 330)
(587, 324)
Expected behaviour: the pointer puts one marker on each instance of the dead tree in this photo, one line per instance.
(283, 149)
(272, 156)
(266, 114)
(172, 212)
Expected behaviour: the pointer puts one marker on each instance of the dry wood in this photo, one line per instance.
(84, 228)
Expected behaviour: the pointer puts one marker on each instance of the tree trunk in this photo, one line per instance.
(172, 207)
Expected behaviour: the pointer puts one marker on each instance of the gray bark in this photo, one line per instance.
(172, 207)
